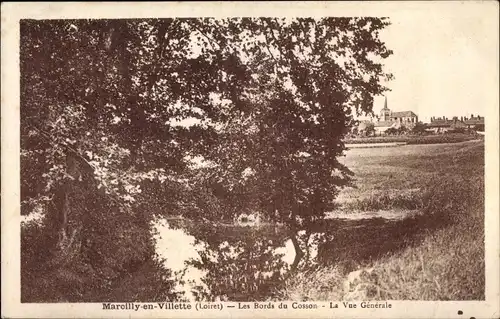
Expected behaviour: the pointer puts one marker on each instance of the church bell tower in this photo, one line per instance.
(385, 113)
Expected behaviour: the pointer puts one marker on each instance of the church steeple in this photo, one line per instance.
(385, 113)
(385, 103)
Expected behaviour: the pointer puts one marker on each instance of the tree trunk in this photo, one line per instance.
(71, 215)
(298, 252)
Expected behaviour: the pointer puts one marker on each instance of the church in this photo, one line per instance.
(389, 119)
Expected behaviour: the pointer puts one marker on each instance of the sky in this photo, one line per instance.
(444, 64)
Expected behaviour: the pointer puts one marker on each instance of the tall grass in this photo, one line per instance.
(386, 200)
(448, 264)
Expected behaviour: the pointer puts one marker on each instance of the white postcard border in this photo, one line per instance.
(13, 12)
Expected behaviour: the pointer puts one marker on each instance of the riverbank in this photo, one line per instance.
(435, 255)
(447, 265)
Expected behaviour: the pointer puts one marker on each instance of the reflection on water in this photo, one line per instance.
(227, 262)
(217, 261)
(177, 247)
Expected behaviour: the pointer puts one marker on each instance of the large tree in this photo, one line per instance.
(102, 151)
(277, 153)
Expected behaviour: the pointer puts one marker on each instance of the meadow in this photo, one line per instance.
(434, 251)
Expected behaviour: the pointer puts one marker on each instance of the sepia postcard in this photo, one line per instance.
(250, 159)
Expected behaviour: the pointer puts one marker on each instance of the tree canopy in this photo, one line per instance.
(114, 111)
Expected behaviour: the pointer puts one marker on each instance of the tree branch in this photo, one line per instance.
(210, 40)
(267, 47)
(282, 55)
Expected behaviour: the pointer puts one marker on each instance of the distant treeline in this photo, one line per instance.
(414, 139)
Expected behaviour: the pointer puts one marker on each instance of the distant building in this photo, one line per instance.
(438, 126)
(389, 119)
(382, 126)
(474, 122)
(443, 124)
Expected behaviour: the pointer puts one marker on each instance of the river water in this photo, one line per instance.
(250, 263)
(224, 262)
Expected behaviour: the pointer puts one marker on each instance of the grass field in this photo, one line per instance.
(437, 254)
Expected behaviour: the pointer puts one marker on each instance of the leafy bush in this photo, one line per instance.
(418, 129)
(391, 131)
(370, 130)
(479, 127)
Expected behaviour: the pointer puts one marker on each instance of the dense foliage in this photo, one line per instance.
(114, 111)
